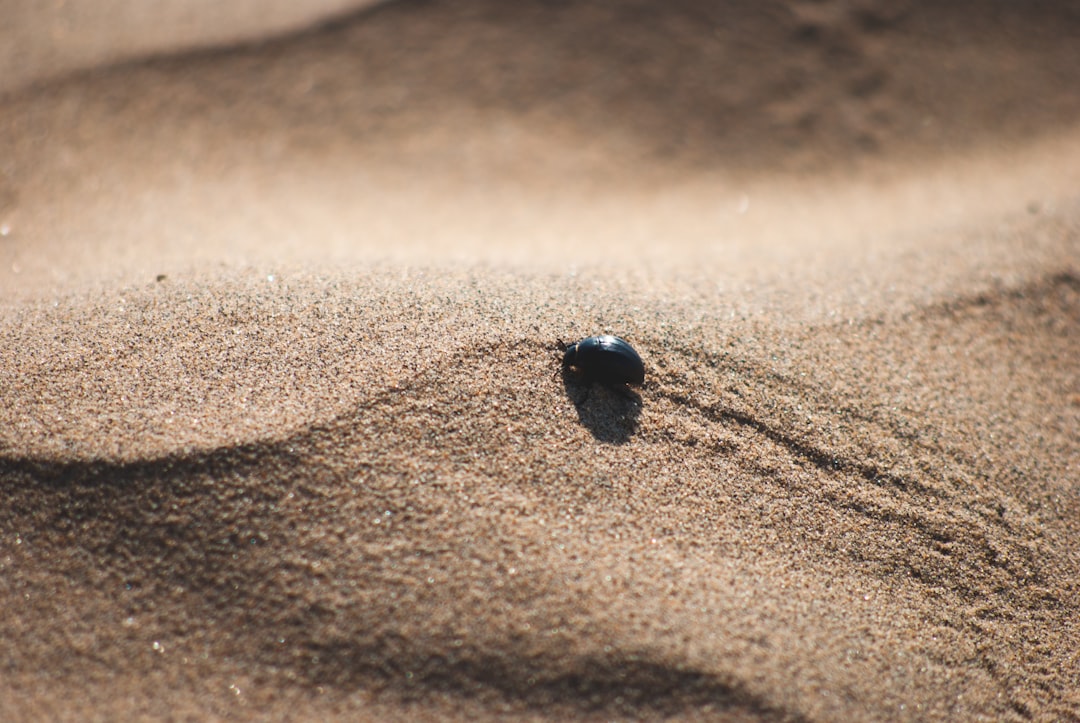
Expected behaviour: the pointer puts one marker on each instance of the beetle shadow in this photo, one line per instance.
(610, 414)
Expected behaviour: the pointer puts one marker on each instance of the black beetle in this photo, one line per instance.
(605, 359)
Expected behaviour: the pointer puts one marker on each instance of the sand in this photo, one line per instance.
(285, 436)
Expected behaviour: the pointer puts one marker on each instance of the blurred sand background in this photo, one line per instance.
(284, 436)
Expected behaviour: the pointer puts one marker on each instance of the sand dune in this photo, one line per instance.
(285, 434)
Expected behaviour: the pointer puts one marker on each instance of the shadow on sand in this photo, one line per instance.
(610, 413)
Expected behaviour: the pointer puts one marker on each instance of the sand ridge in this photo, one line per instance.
(285, 433)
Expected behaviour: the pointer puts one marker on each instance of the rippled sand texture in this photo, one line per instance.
(284, 433)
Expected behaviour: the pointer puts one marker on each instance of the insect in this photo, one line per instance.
(606, 360)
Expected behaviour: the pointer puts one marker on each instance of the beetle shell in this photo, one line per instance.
(606, 359)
